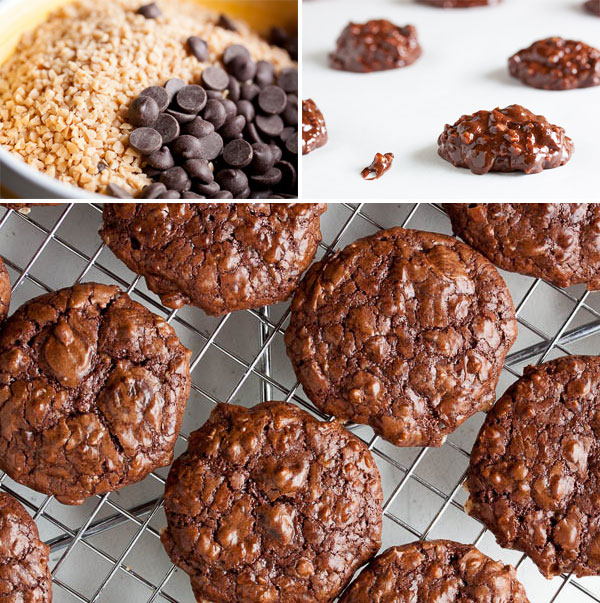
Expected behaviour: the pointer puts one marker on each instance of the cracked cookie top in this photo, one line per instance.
(217, 256)
(92, 391)
(559, 242)
(270, 504)
(404, 330)
(24, 572)
(534, 476)
(438, 570)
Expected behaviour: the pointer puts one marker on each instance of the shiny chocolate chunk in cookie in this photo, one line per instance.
(314, 129)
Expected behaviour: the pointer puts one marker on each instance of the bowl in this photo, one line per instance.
(20, 180)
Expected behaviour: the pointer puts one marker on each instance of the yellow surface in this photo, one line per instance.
(261, 15)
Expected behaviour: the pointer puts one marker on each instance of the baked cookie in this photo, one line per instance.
(438, 570)
(217, 256)
(404, 330)
(554, 241)
(557, 64)
(92, 391)
(534, 476)
(4, 291)
(512, 139)
(24, 573)
(270, 504)
(459, 3)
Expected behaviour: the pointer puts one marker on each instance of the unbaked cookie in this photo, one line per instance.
(534, 476)
(270, 504)
(218, 256)
(404, 330)
(435, 571)
(559, 242)
(92, 392)
(24, 573)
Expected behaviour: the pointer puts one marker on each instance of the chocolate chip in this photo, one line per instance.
(200, 169)
(272, 99)
(265, 74)
(249, 91)
(210, 146)
(271, 125)
(252, 133)
(288, 175)
(101, 166)
(242, 68)
(215, 78)
(276, 152)
(291, 144)
(233, 127)
(182, 118)
(151, 172)
(218, 94)
(230, 107)
(226, 23)
(150, 11)
(233, 89)
(286, 133)
(261, 194)
(168, 127)
(145, 140)
(190, 195)
(246, 108)
(170, 195)
(198, 47)
(114, 190)
(173, 86)
(235, 50)
(161, 159)
(198, 128)
(160, 95)
(152, 191)
(262, 160)
(290, 113)
(208, 190)
(187, 147)
(278, 37)
(143, 111)
(288, 79)
(176, 179)
(223, 195)
(191, 99)
(269, 178)
(238, 153)
(215, 113)
(232, 180)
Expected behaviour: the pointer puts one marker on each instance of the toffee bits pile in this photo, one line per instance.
(234, 136)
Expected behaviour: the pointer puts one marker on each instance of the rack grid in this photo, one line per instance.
(108, 549)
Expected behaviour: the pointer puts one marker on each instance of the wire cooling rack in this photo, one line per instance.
(108, 549)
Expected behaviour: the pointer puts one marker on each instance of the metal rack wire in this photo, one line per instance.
(109, 549)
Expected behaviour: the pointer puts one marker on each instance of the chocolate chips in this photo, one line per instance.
(379, 166)
(198, 47)
(150, 11)
(280, 37)
(314, 130)
(234, 135)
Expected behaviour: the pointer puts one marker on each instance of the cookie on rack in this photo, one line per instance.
(438, 570)
(270, 504)
(559, 242)
(5, 291)
(93, 387)
(403, 330)
(24, 572)
(217, 256)
(534, 475)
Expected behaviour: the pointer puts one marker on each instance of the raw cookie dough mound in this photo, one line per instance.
(559, 242)
(439, 570)
(270, 504)
(403, 330)
(24, 573)
(5, 291)
(593, 6)
(534, 476)
(557, 64)
(92, 391)
(217, 256)
(314, 129)
(512, 139)
(459, 3)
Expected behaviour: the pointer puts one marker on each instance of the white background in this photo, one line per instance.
(463, 69)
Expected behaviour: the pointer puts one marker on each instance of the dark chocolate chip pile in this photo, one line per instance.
(232, 136)
(279, 37)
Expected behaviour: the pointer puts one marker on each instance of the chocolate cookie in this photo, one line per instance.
(269, 504)
(534, 476)
(219, 257)
(554, 241)
(557, 64)
(4, 291)
(92, 391)
(512, 139)
(314, 130)
(375, 46)
(438, 570)
(459, 3)
(24, 573)
(593, 6)
(404, 330)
